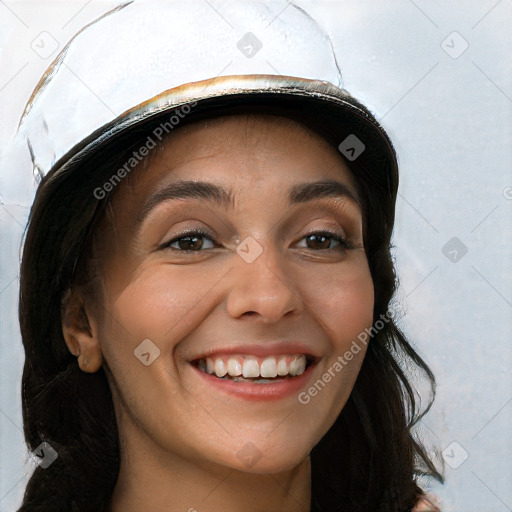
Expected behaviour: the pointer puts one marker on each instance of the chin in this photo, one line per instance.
(259, 457)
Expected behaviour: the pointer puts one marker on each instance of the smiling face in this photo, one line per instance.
(238, 249)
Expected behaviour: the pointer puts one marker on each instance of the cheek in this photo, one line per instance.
(157, 305)
(156, 302)
(343, 301)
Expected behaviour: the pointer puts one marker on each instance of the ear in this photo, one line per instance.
(80, 331)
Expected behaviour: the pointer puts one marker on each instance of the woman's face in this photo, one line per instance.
(268, 286)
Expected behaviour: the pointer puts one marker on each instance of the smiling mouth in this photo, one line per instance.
(248, 368)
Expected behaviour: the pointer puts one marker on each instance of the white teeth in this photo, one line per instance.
(271, 367)
(282, 367)
(250, 368)
(234, 367)
(268, 367)
(220, 368)
(297, 366)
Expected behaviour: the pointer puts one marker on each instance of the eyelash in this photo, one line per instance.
(199, 232)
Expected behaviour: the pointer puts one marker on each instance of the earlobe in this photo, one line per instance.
(80, 332)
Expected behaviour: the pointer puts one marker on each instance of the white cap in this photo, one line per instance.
(137, 51)
(145, 58)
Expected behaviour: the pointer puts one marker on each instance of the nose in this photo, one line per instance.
(262, 288)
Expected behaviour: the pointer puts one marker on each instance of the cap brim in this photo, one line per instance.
(330, 111)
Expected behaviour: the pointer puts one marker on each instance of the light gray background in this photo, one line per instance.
(450, 116)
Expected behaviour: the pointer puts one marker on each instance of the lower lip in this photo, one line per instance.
(258, 391)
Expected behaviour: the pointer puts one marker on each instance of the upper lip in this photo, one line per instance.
(262, 349)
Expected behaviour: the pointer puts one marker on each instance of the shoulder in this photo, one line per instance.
(426, 503)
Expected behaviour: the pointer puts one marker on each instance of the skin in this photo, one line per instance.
(180, 438)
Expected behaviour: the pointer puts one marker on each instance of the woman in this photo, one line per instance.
(206, 281)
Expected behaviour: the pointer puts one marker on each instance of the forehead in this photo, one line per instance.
(240, 148)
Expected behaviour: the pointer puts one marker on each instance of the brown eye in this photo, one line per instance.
(191, 241)
(322, 240)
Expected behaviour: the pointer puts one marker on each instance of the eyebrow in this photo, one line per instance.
(187, 189)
